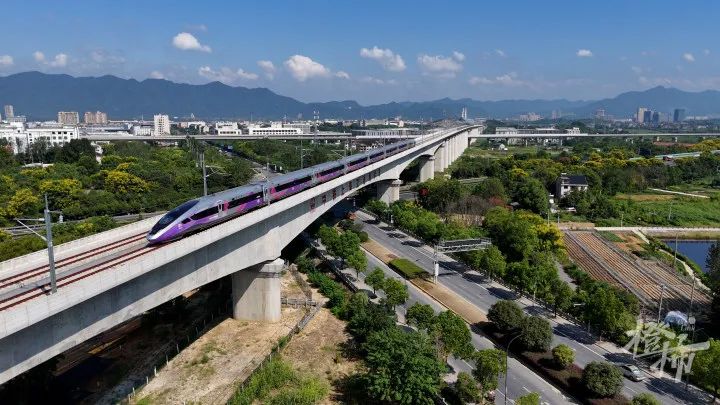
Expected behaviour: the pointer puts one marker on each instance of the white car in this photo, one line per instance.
(632, 372)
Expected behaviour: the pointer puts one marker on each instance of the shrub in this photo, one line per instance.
(536, 334)
(467, 388)
(603, 379)
(407, 268)
(645, 399)
(506, 315)
(563, 355)
(532, 398)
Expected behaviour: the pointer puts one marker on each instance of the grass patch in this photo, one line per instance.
(277, 383)
(407, 268)
(610, 236)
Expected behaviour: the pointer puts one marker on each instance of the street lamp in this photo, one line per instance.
(507, 353)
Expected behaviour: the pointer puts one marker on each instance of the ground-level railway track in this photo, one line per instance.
(644, 278)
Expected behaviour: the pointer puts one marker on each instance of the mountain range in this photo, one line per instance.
(40, 96)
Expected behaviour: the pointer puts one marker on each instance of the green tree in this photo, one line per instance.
(120, 182)
(713, 264)
(402, 367)
(563, 355)
(396, 293)
(421, 315)
(489, 364)
(492, 187)
(453, 336)
(467, 388)
(562, 296)
(645, 398)
(706, 367)
(536, 334)
(358, 261)
(377, 207)
(368, 318)
(531, 195)
(532, 398)
(375, 279)
(60, 192)
(602, 379)
(23, 202)
(440, 193)
(506, 315)
(492, 261)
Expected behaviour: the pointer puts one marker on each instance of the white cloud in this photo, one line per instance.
(689, 57)
(342, 75)
(386, 57)
(636, 69)
(156, 74)
(6, 60)
(303, 68)
(268, 67)
(197, 27)
(60, 60)
(584, 53)
(226, 75)
(375, 80)
(187, 42)
(508, 79)
(500, 53)
(475, 80)
(706, 52)
(459, 56)
(439, 65)
(104, 57)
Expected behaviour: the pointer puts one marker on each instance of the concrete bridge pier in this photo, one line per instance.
(427, 168)
(388, 191)
(256, 292)
(440, 159)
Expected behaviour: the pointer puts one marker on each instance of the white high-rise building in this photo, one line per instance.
(68, 118)
(161, 124)
(463, 114)
(640, 115)
(9, 112)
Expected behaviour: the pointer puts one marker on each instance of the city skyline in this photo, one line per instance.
(318, 52)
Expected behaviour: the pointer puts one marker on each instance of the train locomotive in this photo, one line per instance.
(204, 212)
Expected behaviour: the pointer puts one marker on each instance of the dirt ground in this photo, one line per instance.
(630, 241)
(317, 350)
(464, 308)
(208, 370)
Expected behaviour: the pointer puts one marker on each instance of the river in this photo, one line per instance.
(695, 250)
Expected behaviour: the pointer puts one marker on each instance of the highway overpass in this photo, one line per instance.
(108, 278)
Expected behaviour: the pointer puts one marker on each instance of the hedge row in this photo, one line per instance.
(407, 268)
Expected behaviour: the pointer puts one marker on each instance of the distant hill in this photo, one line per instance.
(40, 96)
(659, 99)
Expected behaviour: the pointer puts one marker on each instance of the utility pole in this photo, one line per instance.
(48, 240)
(204, 172)
(662, 293)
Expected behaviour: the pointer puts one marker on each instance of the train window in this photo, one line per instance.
(391, 150)
(330, 170)
(204, 213)
(354, 162)
(242, 200)
(376, 155)
(289, 184)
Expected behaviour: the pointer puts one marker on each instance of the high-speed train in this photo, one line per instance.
(213, 209)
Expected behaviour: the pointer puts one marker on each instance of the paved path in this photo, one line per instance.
(659, 190)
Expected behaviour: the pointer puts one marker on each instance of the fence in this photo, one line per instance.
(169, 351)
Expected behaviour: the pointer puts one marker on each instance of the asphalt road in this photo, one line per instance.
(520, 381)
(483, 293)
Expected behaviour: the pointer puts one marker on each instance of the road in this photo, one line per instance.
(483, 293)
(520, 381)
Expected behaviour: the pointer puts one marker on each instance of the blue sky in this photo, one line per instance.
(376, 51)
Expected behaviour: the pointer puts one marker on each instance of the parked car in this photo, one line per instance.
(631, 372)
